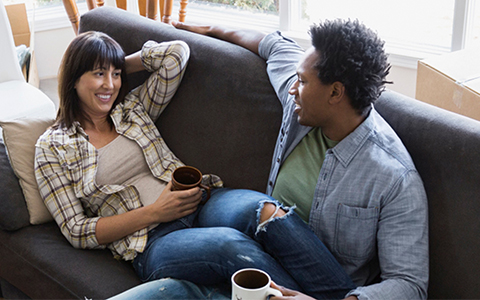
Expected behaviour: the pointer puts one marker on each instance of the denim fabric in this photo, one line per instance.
(226, 238)
(369, 206)
(288, 239)
(173, 289)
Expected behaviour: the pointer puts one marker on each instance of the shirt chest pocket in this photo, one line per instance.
(356, 231)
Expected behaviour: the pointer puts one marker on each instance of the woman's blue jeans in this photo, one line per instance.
(223, 236)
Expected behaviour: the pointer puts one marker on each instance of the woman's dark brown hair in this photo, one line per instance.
(85, 53)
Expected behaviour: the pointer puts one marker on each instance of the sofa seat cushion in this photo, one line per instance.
(42, 263)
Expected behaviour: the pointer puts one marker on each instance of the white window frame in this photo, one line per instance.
(462, 24)
(400, 55)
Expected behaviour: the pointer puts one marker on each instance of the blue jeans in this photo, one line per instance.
(223, 236)
(174, 289)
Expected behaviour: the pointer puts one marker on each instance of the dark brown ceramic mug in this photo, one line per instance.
(188, 177)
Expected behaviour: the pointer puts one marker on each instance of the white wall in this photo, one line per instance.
(51, 44)
(49, 48)
(404, 80)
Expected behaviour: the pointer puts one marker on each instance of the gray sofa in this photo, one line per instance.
(224, 120)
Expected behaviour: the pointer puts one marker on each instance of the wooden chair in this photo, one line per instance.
(147, 8)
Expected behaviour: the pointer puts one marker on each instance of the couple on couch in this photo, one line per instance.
(359, 229)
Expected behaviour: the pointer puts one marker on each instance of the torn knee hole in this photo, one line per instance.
(270, 211)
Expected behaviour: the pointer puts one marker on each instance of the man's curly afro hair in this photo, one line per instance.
(354, 55)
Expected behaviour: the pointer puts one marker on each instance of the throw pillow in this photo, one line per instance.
(20, 136)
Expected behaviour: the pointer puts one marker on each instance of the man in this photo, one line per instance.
(353, 180)
(339, 162)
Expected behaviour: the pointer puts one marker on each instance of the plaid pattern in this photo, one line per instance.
(65, 162)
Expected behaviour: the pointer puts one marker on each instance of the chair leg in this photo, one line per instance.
(162, 9)
(72, 12)
(122, 4)
(91, 4)
(152, 8)
(183, 10)
(167, 12)
(142, 7)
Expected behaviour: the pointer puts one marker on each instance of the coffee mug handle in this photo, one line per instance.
(274, 292)
(207, 188)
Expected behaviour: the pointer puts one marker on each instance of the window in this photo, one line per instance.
(260, 14)
(410, 24)
(412, 29)
(262, 6)
(29, 3)
(474, 40)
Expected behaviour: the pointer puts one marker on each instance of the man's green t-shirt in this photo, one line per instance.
(298, 175)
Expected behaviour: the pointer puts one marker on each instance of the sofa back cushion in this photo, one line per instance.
(199, 125)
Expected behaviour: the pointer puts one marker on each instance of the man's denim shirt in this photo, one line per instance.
(370, 206)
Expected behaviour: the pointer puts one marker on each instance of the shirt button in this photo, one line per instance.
(278, 160)
(270, 183)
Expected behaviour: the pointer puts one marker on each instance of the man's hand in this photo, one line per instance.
(200, 29)
(289, 294)
(294, 295)
(248, 39)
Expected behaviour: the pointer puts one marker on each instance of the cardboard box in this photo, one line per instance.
(451, 81)
(22, 35)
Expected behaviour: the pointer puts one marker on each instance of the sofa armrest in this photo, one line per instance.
(444, 147)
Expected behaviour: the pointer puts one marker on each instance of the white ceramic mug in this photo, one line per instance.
(252, 284)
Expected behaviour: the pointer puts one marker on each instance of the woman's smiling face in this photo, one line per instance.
(98, 89)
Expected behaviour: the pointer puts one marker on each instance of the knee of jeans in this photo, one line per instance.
(169, 288)
(271, 216)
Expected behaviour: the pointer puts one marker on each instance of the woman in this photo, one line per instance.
(104, 173)
(80, 161)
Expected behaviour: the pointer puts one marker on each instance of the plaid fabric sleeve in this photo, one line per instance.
(167, 61)
(58, 195)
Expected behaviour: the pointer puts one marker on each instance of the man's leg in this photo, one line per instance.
(173, 289)
(284, 236)
(287, 238)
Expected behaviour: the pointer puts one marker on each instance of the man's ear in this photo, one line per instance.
(337, 92)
